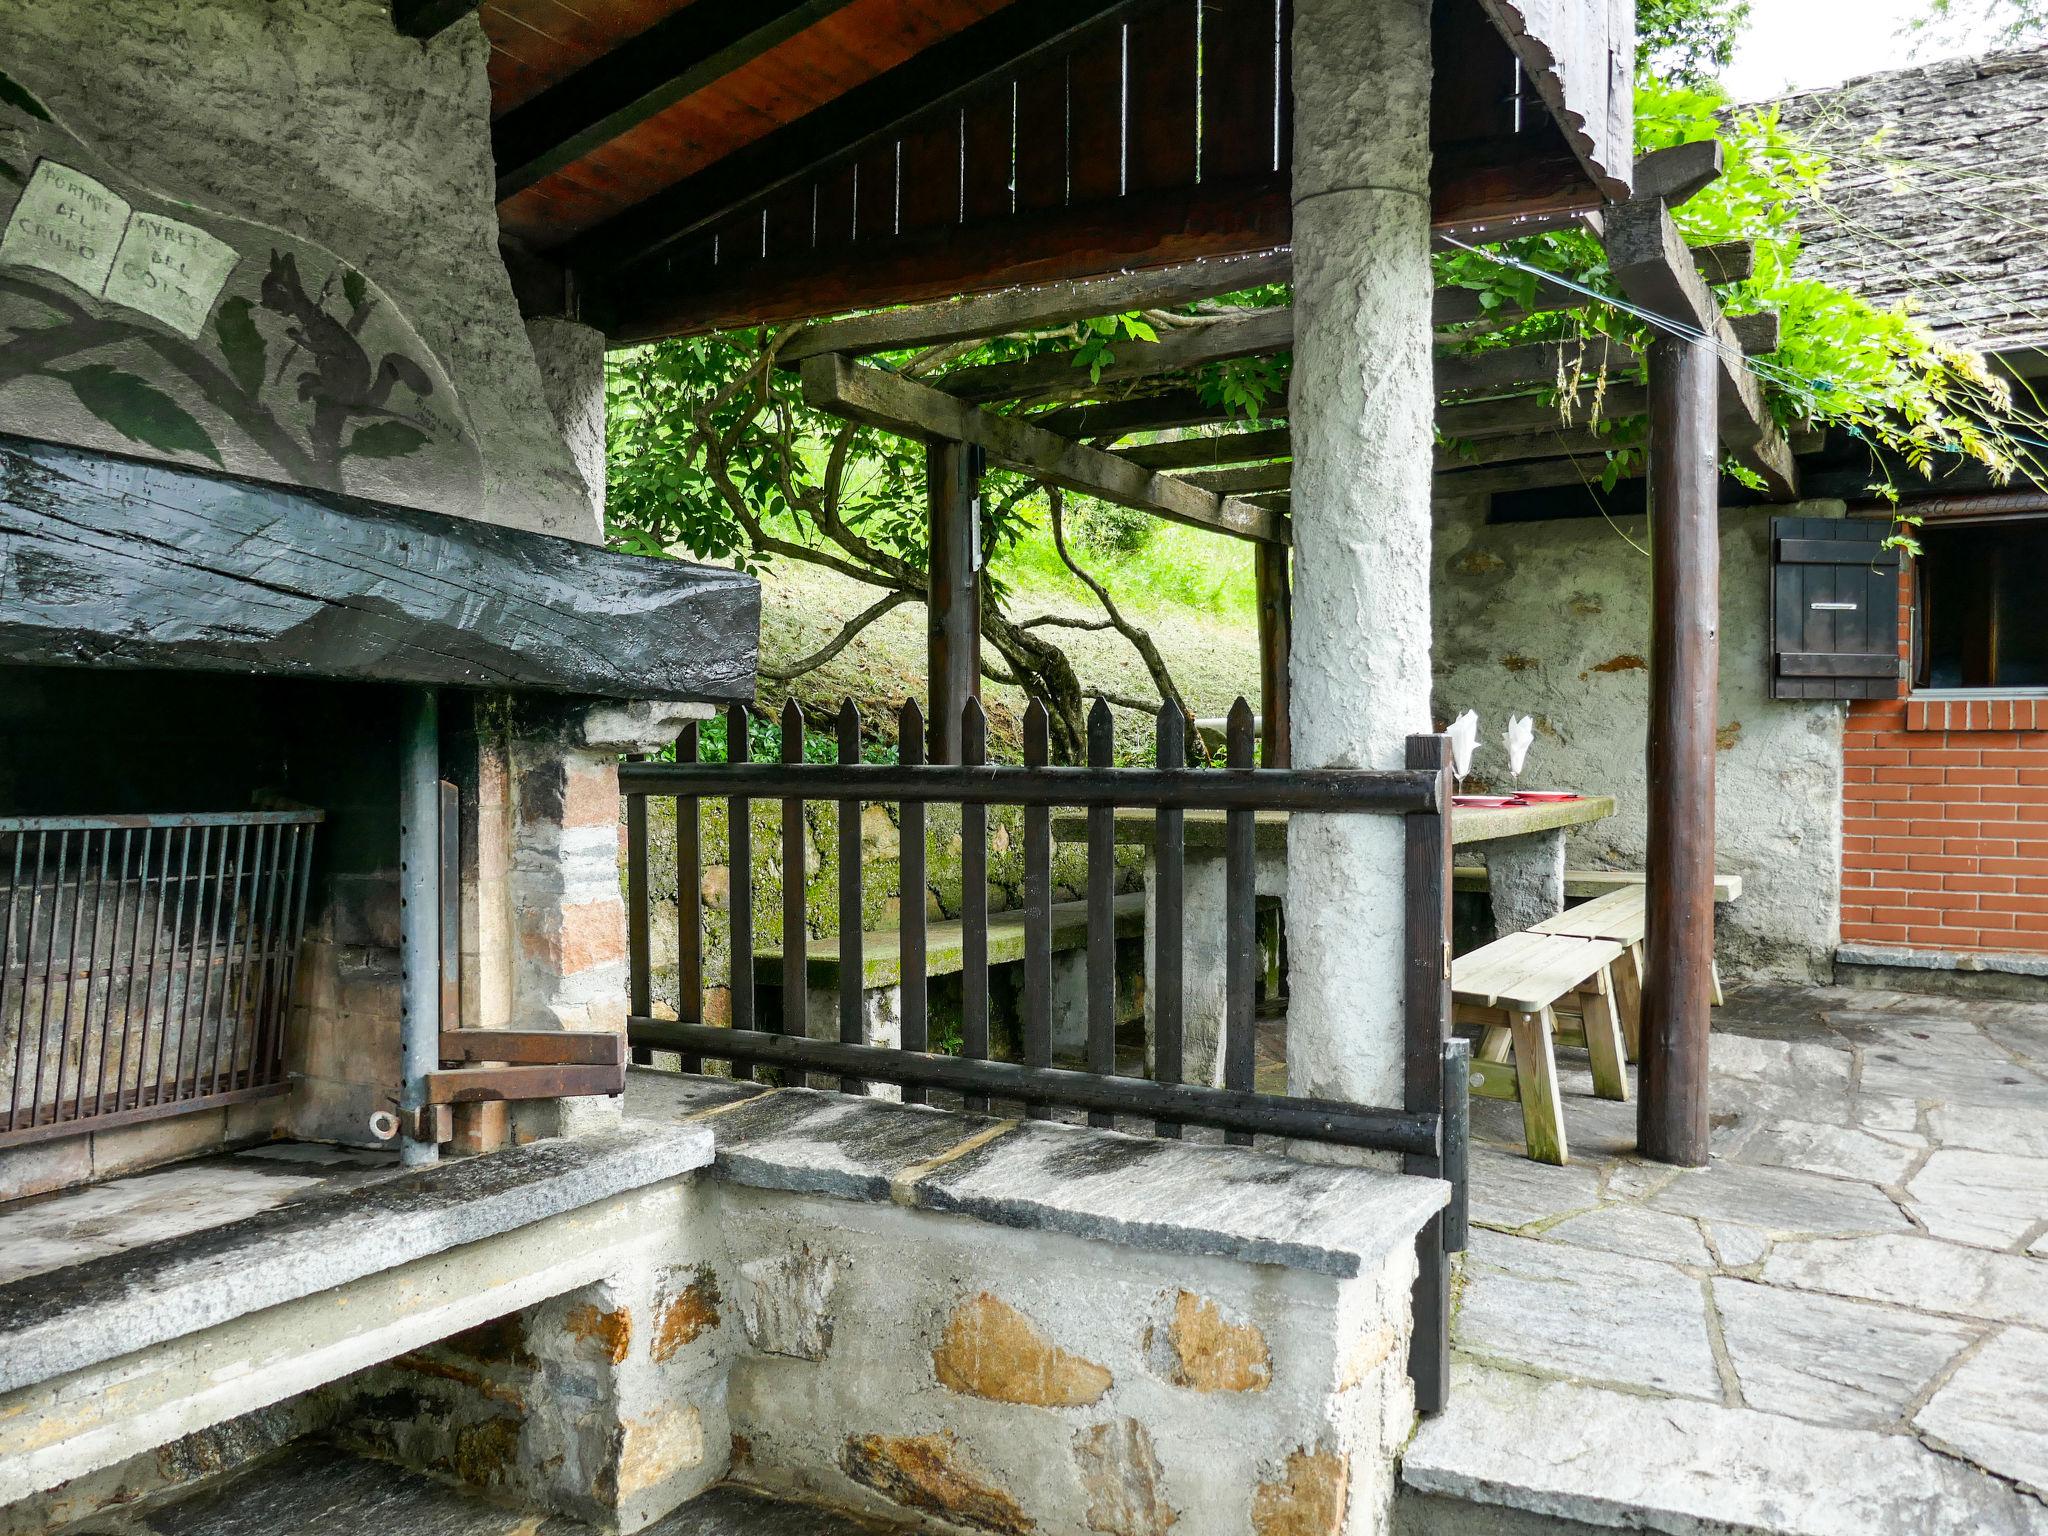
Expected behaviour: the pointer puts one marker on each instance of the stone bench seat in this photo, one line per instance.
(1515, 991)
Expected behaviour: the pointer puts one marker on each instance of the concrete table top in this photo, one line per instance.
(1204, 829)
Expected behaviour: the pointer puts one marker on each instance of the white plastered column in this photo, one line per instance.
(1362, 412)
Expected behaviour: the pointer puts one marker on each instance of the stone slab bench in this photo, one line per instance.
(945, 955)
(124, 1353)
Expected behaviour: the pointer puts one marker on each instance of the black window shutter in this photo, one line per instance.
(1834, 609)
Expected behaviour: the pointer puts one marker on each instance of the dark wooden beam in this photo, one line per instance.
(1498, 187)
(1685, 608)
(1276, 640)
(1678, 174)
(1557, 442)
(1041, 308)
(953, 592)
(137, 563)
(1214, 448)
(1519, 414)
(1533, 475)
(1215, 220)
(934, 77)
(676, 57)
(1730, 262)
(1244, 479)
(1110, 419)
(858, 392)
(1055, 375)
(1651, 264)
(429, 18)
(1506, 370)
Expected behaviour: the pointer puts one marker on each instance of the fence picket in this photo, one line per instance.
(974, 902)
(796, 928)
(852, 964)
(739, 838)
(1037, 907)
(1169, 913)
(915, 1030)
(1101, 912)
(1239, 1045)
(689, 900)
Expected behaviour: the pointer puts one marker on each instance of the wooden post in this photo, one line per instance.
(953, 591)
(1276, 638)
(1671, 1124)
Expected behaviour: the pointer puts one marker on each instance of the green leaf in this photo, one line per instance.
(16, 95)
(241, 344)
(385, 440)
(139, 410)
(354, 287)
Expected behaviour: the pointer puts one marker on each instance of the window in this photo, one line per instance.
(1983, 606)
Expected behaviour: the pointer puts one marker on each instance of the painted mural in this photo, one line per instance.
(132, 320)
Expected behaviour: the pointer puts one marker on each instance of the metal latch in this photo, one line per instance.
(1835, 607)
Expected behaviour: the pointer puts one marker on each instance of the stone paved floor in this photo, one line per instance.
(1841, 1326)
(47, 1232)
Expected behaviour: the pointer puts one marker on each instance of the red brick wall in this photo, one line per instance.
(1945, 825)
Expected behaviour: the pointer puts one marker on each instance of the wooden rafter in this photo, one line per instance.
(1111, 419)
(676, 57)
(876, 398)
(1253, 333)
(1213, 449)
(942, 73)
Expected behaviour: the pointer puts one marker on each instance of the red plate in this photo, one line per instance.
(1483, 802)
(1546, 796)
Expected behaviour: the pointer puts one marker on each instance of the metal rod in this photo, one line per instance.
(419, 914)
(7, 971)
(1354, 1125)
(1392, 792)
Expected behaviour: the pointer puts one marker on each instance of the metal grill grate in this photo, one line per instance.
(146, 963)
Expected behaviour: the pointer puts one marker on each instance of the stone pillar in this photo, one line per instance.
(571, 360)
(1362, 414)
(569, 911)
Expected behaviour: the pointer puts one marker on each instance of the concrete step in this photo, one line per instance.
(310, 1489)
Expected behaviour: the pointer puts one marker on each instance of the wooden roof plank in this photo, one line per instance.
(1251, 334)
(877, 398)
(643, 76)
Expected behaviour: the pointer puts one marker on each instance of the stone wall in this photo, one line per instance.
(1552, 620)
(345, 170)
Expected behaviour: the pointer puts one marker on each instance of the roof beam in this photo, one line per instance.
(942, 73)
(1031, 309)
(877, 398)
(1147, 413)
(1649, 260)
(1054, 374)
(1244, 479)
(1534, 413)
(676, 57)
(1212, 449)
(429, 18)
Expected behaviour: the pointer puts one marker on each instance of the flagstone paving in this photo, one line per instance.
(1838, 1329)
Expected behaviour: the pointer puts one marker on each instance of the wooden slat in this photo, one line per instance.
(988, 123)
(1169, 900)
(1161, 110)
(639, 967)
(1838, 664)
(486, 1085)
(1426, 1026)
(1213, 448)
(974, 1013)
(1861, 550)
(914, 884)
(1239, 62)
(1276, 644)
(931, 173)
(1145, 413)
(852, 969)
(874, 194)
(1102, 873)
(1244, 480)
(1037, 906)
(1095, 117)
(739, 822)
(836, 200)
(1042, 137)
(895, 404)
(534, 1047)
(795, 880)
(1239, 1045)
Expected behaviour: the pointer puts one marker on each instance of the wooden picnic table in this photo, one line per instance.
(1522, 845)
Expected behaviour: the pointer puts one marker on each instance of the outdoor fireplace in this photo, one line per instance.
(299, 794)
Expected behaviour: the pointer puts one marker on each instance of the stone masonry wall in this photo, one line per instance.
(1552, 620)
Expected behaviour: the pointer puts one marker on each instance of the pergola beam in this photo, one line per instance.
(1648, 257)
(893, 403)
(1214, 449)
(676, 57)
(1033, 309)
(1165, 411)
(1254, 333)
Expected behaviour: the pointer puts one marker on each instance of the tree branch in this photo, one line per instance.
(1061, 621)
(839, 642)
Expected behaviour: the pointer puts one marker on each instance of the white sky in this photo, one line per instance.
(1795, 45)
